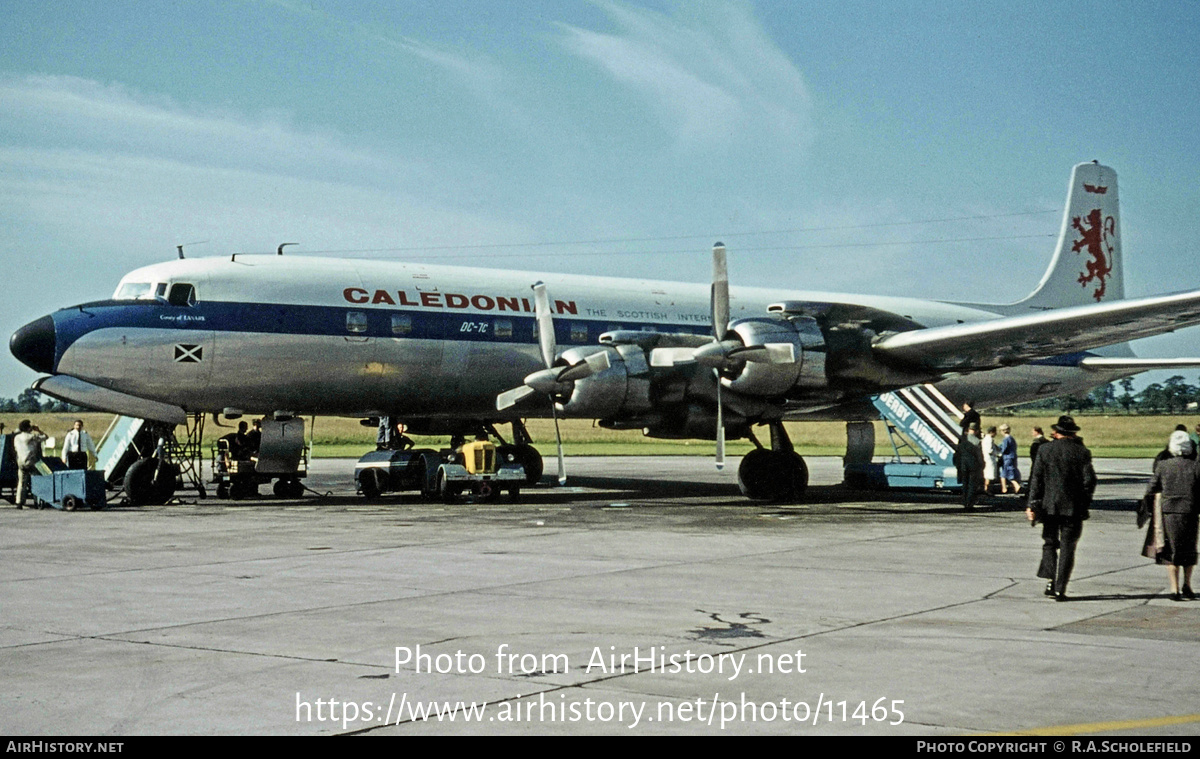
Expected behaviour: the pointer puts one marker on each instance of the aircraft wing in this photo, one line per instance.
(1138, 364)
(1013, 340)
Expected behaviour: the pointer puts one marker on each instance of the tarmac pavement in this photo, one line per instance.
(645, 597)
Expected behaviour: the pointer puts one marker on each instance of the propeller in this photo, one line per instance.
(723, 353)
(719, 299)
(553, 380)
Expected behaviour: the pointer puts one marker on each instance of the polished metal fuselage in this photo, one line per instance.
(362, 338)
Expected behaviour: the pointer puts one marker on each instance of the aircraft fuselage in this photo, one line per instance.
(361, 338)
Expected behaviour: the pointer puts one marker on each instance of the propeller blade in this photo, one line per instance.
(510, 398)
(545, 322)
(720, 293)
(597, 362)
(562, 464)
(720, 456)
(768, 353)
(672, 356)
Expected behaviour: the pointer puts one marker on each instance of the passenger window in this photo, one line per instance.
(356, 321)
(401, 324)
(182, 294)
(502, 328)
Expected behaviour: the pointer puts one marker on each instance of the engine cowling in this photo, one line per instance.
(768, 379)
(623, 389)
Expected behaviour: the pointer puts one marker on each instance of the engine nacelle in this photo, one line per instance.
(623, 389)
(763, 379)
(694, 422)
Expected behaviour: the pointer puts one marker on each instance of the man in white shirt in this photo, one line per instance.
(28, 446)
(76, 446)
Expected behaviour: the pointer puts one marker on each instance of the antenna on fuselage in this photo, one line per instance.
(180, 247)
(279, 250)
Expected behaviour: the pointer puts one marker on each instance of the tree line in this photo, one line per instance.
(1174, 396)
(30, 402)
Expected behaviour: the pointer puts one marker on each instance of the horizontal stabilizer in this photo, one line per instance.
(1013, 340)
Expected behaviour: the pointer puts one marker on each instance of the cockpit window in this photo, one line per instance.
(134, 291)
(182, 294)
(160, 291)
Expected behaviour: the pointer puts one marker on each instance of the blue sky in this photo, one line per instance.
(911, 148)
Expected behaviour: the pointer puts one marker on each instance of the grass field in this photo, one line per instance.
(1110, 436)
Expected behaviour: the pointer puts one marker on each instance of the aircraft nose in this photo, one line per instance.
(33, 345)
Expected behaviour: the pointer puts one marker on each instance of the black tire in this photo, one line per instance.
(166, 479)
(446, 492)
(139, 482)
(766, 475)
(372, 483)
(529, 458)
(514, 494)
(799, 476)
(295, 489)
(70, 503)
(223, 490)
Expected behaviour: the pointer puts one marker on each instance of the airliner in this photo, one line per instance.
(459, 350)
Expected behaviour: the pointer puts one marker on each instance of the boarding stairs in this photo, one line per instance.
(923, 426)
(128, 439)
(120, 446)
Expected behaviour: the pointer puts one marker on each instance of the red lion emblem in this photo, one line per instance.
(1096, 239)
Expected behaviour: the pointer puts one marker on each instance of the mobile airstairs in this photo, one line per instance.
(923, 427)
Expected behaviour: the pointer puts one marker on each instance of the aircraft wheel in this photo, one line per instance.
(295, 489)
(165, 478)
(280, 488)
(223, 490)
(766, 475)
(799, 475)
(139, 482)
(514, 494)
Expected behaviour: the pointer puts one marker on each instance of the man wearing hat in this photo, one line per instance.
(1060, 490)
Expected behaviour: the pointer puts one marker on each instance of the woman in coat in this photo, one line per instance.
(1171, 537)
(991, 454)
(1008, 461)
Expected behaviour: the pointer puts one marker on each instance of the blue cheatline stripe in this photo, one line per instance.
(331, 321)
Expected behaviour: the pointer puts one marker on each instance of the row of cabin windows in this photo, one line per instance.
(402, 324)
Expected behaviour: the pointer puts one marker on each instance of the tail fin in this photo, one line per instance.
(1087, 265)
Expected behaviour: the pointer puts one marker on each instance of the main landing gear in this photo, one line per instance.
(778, 474)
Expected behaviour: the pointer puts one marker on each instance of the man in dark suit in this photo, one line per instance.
(969, 459)
(1060, 492)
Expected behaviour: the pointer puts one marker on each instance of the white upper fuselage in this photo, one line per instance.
(338, 336)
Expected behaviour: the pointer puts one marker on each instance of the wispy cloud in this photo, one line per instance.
(710, 72)
(105, 165)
